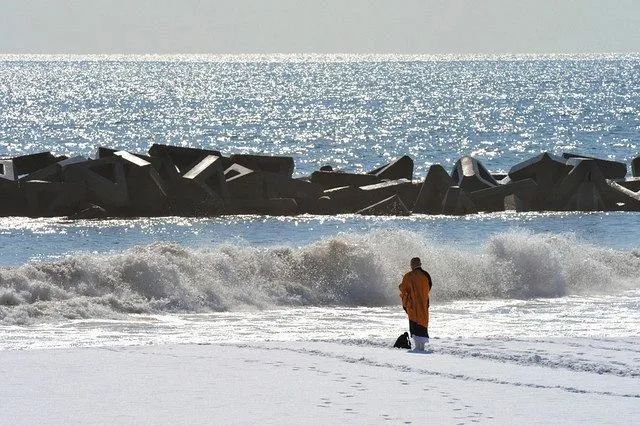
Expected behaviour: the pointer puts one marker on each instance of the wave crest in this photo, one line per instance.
(346, 270)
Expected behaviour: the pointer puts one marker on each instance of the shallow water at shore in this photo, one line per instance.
(596, 318)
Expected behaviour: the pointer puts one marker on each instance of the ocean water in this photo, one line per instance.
(157, 280)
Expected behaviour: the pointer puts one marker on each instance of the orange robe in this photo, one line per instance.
(414, 292)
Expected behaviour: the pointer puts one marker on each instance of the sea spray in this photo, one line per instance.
(345, 270)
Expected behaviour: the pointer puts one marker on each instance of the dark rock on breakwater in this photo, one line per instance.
(171, 180)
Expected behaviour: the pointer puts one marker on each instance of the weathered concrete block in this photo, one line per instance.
(106, 152)
(402, 168)
(494, 199)
(210, 172)
(404, 188)
(457, 202)
(147, 191)
(53, 172)
(304, 192)
(247, 184)
(278, 165)
(7, 172)
(586, 197)
(182, 157)
(547, 171)
(280, 186)
(610, 169)
(624, 198)
(244, 183)
(25, 164)
(324, 206)
(632, 184)
(48, 199)
(105, 180)
(391, 206)
(346, 199)
(635, 166)
(583, 189)
(330, 180)
(194, 199)
(469, 174)
(433, 190)
(12, 199)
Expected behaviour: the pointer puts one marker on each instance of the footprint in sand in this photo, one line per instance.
(324, 403)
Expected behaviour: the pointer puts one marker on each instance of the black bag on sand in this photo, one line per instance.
(403, 341)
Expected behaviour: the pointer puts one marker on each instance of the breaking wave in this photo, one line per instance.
(346, 270)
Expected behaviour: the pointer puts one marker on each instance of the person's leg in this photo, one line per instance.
(420, 341)
(419, 335)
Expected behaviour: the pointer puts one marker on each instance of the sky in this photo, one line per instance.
(319, 26)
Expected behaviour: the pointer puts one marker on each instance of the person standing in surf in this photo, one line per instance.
(414, 292)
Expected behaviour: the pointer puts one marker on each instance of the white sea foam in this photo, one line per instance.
(346, 270)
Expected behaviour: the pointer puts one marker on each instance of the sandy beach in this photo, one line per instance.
(568, 381)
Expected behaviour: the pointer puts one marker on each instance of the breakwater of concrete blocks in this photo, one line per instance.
(171, 180)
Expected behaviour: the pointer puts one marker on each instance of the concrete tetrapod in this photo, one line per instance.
(493, 199)
(53, 172)
(247, 184)
(610, 169)
(401, 168)
(6, 170)
(48, 199)
(583, 189)
(182, 157)
(209, 172)
(635, 166)
(457, 202)
(391, 206)
(546, 170)
(624, 198)
(12, 199)
(244, 183)
(346, 199)
(470, 175)
(272, 164)
(148, 193)
(105, 181)
(25, 164)
(404, 188)
(632, 184)
(433, 190)
(328, 180)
